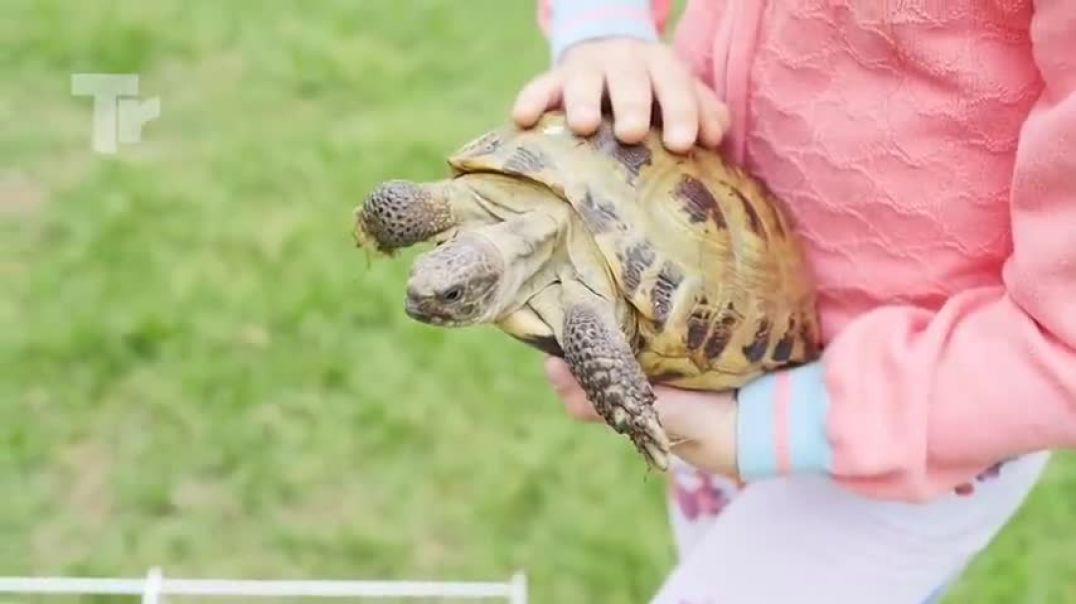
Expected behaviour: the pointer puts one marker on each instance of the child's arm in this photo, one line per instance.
(613, 46)
(907, 402)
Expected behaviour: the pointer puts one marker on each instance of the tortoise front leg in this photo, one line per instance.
(602, 361)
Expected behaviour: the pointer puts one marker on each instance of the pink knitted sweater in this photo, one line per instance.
(927, 152)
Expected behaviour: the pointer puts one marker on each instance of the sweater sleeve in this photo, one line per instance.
(568, 22)
(907, 403)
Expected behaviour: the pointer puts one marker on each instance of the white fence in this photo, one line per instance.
(154, 587)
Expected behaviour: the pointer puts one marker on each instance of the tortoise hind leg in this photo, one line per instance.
(400, 213)
(604, 364)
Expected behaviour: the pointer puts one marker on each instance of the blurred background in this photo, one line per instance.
(198, 370)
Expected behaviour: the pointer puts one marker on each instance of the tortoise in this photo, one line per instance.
(636, 265)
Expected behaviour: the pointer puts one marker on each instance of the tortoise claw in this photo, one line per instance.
(656, 457)
(651, 440)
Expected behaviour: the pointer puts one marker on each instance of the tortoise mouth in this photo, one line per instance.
(423, 311)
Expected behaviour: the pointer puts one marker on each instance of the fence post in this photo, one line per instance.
(151, 594)
(519, 589)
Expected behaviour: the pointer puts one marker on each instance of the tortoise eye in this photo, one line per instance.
(453, 294)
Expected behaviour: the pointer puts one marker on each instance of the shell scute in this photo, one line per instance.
(698, 202)
(698, 326)
(637, 258)
(601, 216)
(481, 146)
(526, 160)
(661, 294)
(720, 335)
(632, 158)
(756, 349)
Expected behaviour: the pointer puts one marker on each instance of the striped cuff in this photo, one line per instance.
(781, 424)
(574, 21)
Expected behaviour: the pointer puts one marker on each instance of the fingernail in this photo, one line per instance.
(679, 139)
(630, 129)
(584, 119)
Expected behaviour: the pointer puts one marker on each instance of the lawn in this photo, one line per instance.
(199, 370)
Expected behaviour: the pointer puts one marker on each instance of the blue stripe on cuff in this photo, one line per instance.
(756, 456)
(569, 24)
(808, 446)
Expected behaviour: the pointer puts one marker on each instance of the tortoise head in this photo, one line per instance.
(456, 283)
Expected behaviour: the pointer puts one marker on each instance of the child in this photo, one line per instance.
(926, 151)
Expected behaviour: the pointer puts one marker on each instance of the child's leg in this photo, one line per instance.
(695, 499)
(804, 539)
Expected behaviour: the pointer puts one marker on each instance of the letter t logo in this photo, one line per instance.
(118, 114)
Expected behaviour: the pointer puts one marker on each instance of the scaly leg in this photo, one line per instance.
(602, 361)
(399, 214)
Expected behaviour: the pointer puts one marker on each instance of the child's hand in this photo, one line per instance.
(633, 73)
(702, 425)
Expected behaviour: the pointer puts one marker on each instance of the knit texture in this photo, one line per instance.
(893, 141)
(921, 149)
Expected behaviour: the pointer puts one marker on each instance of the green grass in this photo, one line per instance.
(200, 371)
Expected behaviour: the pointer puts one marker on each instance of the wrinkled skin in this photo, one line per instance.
(455, 284)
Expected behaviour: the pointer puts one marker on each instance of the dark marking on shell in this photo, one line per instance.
(667, 375)
(664, 286)
(526, 161)
(811, 345)
(782, 351)
(698, 324)
(757, 348)
(601, 217)
(752, 215)
(637, 258)
(632, 157)
(699, 202)
(719, 337)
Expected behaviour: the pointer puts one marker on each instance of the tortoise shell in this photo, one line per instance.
(701, 252)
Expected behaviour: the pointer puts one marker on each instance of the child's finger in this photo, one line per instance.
(713, 116)
(630, 96)
(702, 424)
(679, 106)
(582, 98)
(569, 391)
(539, 94)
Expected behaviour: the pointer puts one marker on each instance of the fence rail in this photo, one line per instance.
(154, 587)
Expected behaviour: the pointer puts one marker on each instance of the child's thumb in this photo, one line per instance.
(702, 427)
